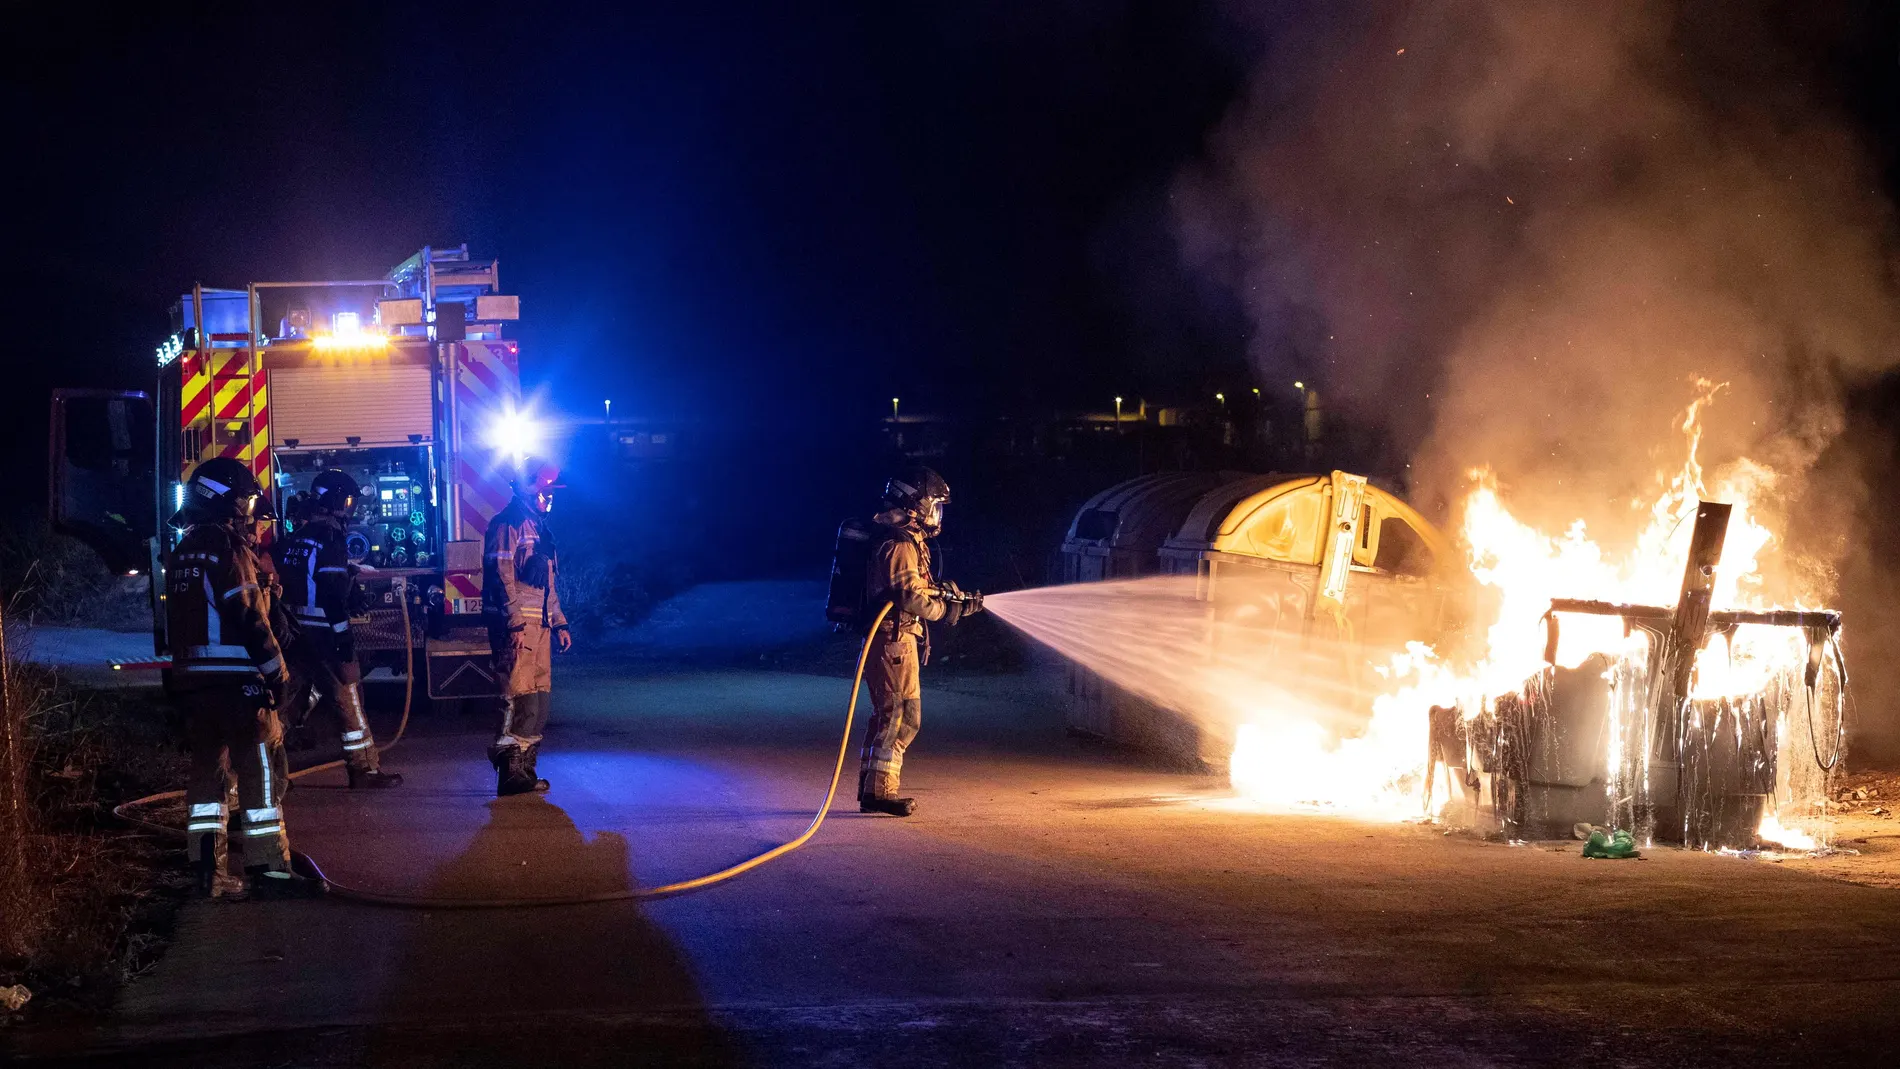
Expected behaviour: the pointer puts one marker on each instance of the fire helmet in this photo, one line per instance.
(223, 488)
(334, 490)
(922, 493)
(535, 479)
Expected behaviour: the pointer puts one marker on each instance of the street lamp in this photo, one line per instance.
(893, 410)
(609, 402)
(1221, 397)
(1118, 411)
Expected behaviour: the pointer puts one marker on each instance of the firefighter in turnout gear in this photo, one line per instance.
(319, 584)
(229, 671)
(525, 623)
(900, 574)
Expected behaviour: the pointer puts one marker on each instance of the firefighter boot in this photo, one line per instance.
(877, 793)
(210, 860)
(373, 778)
(513, 774)
(269, 884)
(528, 755)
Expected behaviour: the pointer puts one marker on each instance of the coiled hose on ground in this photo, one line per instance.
(385, 898)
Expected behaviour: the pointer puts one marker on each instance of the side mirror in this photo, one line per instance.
(100, 473)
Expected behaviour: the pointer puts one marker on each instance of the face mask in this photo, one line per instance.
(931, 515)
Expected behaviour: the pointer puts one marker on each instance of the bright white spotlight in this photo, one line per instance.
(515, 434)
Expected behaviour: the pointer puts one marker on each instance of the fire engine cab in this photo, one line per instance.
(408, 382)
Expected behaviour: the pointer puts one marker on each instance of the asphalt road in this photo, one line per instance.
(1050, 905)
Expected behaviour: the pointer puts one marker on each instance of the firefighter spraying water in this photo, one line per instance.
(886, 563)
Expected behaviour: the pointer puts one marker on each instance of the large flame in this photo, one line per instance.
(1381, 770)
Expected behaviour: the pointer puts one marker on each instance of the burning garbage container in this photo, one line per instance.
(1317, 572)
(1667, 735)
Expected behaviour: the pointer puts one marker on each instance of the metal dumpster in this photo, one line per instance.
(1115, 535)
(1324, 567)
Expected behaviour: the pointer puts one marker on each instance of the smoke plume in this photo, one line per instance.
(1528, 226)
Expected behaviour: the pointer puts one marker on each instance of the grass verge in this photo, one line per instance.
(87, 902)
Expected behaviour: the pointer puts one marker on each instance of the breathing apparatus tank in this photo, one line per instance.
(847, 605)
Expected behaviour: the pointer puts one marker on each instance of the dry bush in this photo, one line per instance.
(82, 897)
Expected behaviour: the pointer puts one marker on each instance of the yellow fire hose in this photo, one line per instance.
(383, 898)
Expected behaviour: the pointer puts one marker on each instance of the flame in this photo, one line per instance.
(1281, 760)
(1527, 569)
(1772, 831)
(1277, 761)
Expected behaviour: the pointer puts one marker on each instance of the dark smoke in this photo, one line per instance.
(1529, 225)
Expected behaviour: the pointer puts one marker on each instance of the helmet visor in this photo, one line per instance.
(930, 514)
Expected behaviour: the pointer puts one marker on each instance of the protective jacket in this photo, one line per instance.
(900, 574)
(218, 612)
(519, 569)
(320, 590)
(315, 567)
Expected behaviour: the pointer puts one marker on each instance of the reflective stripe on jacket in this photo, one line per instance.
(900, 574)
(315, 566)
(519, 569)
(217, 611)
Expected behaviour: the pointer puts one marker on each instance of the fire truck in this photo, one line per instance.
(409, 382)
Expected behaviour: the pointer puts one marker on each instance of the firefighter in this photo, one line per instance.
(319, 592)
(230, 675)
(525, 623)
(900, 574)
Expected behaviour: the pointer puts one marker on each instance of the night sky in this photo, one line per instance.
(708, 210)
(713, 208)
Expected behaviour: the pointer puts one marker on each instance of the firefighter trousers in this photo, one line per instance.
(524, 660)
(890, 674)
(318, 661)
(232, 730)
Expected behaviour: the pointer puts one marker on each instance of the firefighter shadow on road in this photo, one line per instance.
(564, 985)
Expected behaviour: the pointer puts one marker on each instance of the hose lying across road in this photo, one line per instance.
(385, 898)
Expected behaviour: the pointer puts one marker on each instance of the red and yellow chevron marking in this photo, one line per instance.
(221, 390)
(193, 389)
(463, 584)
(487, 384)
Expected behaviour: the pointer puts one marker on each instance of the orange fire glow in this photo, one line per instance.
(1380, 771)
